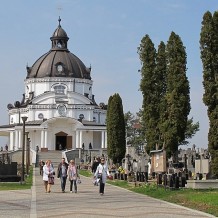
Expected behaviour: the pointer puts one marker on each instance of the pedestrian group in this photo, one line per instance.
(70, 171)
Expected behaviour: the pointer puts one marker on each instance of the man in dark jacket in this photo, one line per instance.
(62, 173)
(95, 164)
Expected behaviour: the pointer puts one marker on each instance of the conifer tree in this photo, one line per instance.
(160, 72)
(209, 56)
(147, 55)
(116, 143)
(177, 96)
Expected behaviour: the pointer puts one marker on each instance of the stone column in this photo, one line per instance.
(42, 139)
(105, 139)
(11, 145)
(81, 139)
(46, 139)
(77, 138)
(16, 139)
(19, 139)
(102, 139)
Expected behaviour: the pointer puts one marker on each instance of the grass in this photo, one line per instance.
(4, 186)
(202, 200)
(86, 173)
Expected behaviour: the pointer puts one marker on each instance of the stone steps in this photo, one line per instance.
(54, 156)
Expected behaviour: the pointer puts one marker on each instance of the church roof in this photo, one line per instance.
(59, 61)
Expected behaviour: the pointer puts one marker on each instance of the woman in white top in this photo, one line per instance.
(48, 171)
(101, 173)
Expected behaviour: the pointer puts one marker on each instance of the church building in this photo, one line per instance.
(58, 104)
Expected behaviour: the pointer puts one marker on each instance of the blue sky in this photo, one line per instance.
(105, 34)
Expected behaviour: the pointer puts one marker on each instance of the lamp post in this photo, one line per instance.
(24, 119)
(27, 154)
(26, 150)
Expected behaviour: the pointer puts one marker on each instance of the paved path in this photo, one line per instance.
(87, 203)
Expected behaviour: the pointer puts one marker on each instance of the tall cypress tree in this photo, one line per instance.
(147, 55)
(209, 56)
(116, 143)
(160, 73)
(177, 95)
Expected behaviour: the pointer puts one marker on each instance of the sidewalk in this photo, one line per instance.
(87, 203)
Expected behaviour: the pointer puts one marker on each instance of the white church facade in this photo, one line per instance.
(58, 103)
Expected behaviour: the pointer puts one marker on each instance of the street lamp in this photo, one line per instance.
(24, 119)
(27, 153)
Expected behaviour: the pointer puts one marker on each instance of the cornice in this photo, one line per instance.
(57, 79)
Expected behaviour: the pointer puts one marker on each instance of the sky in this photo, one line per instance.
(104, 34)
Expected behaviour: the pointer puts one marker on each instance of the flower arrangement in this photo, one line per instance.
(121, 170)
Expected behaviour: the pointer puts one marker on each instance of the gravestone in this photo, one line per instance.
(8, 172)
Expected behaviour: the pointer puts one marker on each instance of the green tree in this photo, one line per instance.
(147, 55)
(209, 57)
(177, 98)
(116, 144)
(134, 135)
(161, 86)
(190, 131)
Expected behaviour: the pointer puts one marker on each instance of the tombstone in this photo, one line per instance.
(202, 166)
(8, 172)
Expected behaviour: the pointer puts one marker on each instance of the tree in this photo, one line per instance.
(190, 131)
(209, 57)
(161, 86)
(147, 55)
(134, 135)
(177, 98)
(116, 144)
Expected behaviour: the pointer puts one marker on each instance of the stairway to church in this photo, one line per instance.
(54, 156)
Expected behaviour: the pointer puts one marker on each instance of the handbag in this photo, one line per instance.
(51, 180)
(99, 176)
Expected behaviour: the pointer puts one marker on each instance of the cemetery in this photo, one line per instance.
(191, 171)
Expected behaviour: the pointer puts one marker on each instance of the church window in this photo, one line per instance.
(40, 116)
(59, 89)
(60, 68)
(59, 44)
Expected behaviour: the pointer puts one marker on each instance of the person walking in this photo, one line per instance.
(62, 173)
(41, 164)
(73, 175)
(48, 176)
(95, 164)
(101, 173)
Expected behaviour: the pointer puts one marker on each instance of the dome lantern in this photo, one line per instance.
(59, 38)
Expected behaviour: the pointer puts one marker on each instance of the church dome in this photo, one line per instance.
(59, 61)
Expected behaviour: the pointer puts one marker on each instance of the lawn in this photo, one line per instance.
(17, 185)
(203, 200)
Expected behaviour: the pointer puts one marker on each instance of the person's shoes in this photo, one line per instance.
(101, 193)
(71, 192)
(75, 191)
(63, 191)
(49, 191)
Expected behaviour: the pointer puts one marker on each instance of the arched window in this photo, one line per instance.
(59, 89)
